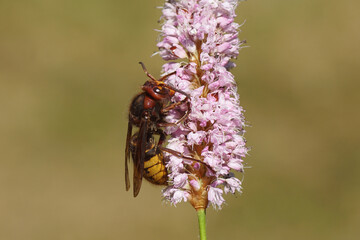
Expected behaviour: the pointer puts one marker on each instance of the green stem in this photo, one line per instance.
(202, 223)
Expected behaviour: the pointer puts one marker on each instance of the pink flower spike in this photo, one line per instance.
(203, 34)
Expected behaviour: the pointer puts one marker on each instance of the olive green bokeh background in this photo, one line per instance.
(68, 70)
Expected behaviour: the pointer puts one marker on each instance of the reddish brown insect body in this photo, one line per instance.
(147, 112)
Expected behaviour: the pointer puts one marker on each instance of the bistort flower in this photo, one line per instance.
(202, 37)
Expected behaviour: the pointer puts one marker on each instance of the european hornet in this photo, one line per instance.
(147, 112)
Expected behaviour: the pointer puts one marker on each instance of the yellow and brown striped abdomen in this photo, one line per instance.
(154, 168)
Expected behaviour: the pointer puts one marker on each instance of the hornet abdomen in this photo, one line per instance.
(154, 167)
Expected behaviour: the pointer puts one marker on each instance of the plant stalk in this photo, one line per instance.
(202, 223)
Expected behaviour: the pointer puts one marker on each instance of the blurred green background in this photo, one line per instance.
(68, 70)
